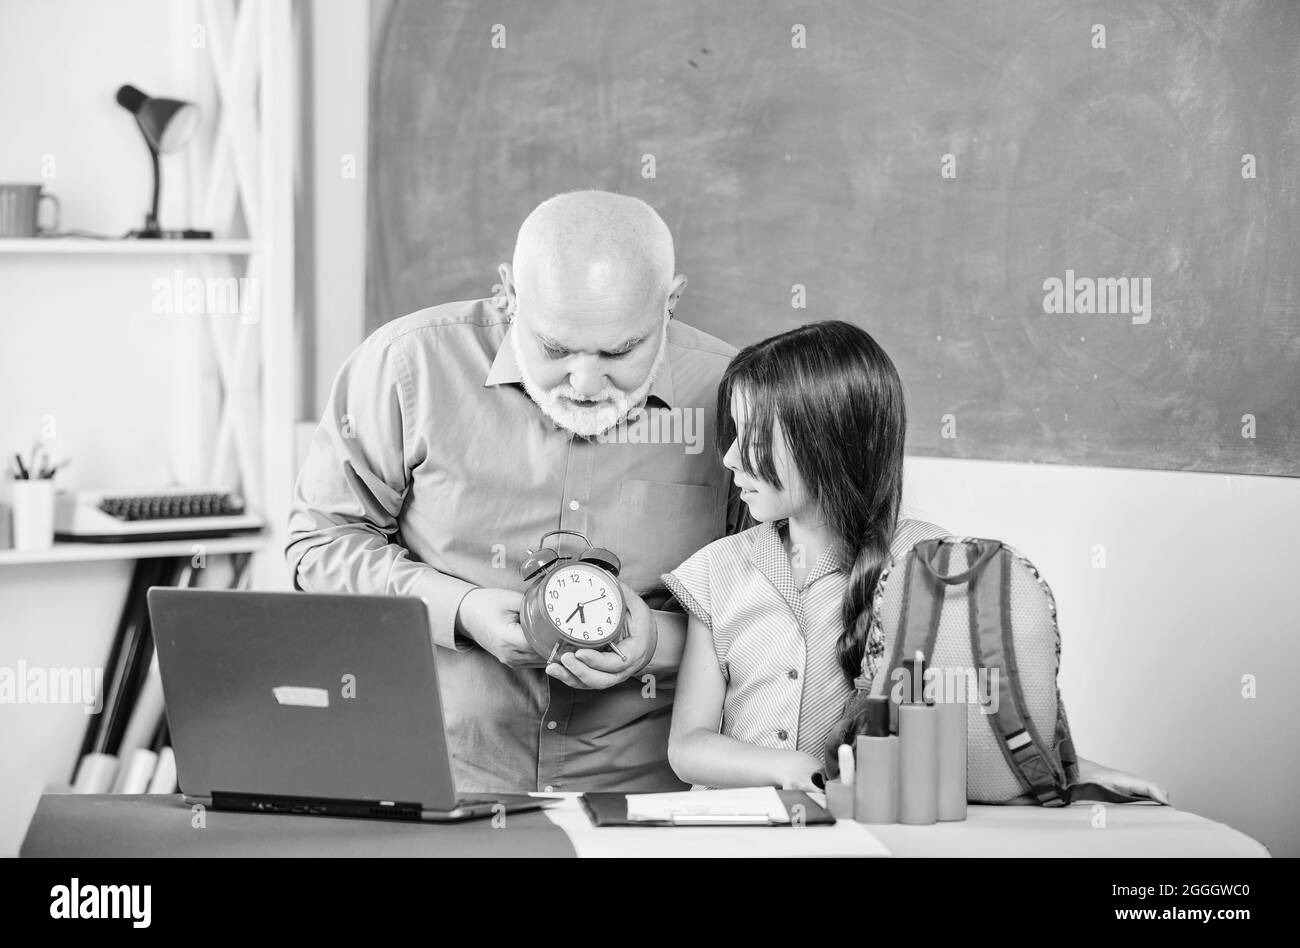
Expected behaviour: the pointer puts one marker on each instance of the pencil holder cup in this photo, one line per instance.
(32, 506)
(839, 799)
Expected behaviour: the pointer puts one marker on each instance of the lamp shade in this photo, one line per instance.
(167, 124)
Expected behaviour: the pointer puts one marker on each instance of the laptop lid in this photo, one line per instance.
(302, 694)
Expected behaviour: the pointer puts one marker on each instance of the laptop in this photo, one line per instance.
(294, 702)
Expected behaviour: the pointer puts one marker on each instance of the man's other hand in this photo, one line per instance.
(491, 618)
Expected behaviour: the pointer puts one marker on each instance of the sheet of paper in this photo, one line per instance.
(744, 802)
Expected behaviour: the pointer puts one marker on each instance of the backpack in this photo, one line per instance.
(973, 606)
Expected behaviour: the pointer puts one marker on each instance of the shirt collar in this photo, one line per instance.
(505, 371)
(768, 554)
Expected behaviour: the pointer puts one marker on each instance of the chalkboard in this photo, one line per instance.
(923, 169)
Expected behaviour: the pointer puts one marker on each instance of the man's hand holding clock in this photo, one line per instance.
(588, 628)
(490, 617)
(588, 668)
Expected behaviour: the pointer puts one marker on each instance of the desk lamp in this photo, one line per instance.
(167, 126)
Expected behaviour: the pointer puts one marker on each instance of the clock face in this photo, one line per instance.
(584, 604)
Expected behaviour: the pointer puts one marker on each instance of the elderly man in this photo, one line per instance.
(455, 437)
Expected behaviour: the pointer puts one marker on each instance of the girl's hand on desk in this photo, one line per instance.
(797, 774)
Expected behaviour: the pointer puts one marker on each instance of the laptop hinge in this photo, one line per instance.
(315, 806)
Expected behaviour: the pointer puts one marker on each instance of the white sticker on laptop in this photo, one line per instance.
(302, 697)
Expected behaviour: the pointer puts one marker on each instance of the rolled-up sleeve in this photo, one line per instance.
(344, 519)
(689, 584)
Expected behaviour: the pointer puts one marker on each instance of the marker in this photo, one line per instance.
(847, 768)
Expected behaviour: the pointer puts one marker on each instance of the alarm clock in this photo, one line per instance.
(572, 602)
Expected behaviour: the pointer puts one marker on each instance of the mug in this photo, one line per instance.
(20, 206)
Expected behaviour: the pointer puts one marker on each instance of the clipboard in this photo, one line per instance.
(607, 808)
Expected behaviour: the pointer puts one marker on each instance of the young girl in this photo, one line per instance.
(815, 422)
(779, 614)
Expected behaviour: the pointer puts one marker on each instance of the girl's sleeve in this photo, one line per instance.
(689, 584)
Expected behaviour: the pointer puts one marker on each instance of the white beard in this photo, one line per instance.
(613, 406)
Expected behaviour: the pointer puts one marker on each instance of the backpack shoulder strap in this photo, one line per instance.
(992, 640)
(919, 613)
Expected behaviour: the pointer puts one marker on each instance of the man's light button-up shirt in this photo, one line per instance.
(432, 472)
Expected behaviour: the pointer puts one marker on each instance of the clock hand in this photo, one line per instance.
(582, 613)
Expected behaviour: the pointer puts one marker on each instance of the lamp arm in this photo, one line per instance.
(151, 224)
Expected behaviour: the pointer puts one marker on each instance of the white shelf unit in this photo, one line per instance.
(243, 82)
(138, 550)
(126, 246)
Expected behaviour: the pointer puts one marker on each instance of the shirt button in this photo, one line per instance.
(793, 673)
(783, 734)
(550, 725)
(574, 505)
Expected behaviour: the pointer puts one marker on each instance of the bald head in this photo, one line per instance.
(591, 292)
(593, 244)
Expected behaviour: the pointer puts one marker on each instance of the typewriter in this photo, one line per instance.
(115, 516)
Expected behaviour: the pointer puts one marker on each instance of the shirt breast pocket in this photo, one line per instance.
(661, 524)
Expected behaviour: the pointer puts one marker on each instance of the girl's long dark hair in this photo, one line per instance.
(840, 403)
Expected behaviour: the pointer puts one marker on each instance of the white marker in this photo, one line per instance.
(846, 764)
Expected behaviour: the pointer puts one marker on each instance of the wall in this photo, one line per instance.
(1199, 589)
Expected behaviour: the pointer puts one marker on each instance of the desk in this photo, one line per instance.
(78, 826)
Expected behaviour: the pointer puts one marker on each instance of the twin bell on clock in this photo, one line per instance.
(572, 602)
